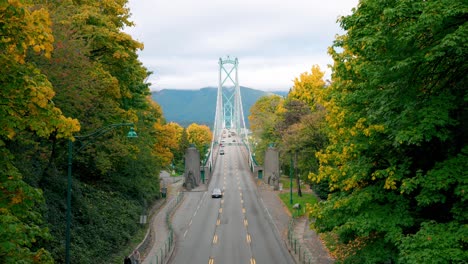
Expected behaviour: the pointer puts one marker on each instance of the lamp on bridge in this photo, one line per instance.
(90, 137)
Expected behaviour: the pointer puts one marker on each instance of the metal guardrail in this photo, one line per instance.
(164, 251)
(301, 251)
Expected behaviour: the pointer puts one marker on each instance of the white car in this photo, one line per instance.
(221, 152)
(217, 193)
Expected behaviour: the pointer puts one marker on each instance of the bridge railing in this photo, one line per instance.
(255, 168)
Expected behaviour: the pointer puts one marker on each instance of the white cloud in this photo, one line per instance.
(275, 41)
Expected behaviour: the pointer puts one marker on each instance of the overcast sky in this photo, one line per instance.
(274, 41)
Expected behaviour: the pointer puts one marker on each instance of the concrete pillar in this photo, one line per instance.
(192, 168)
(271, 167)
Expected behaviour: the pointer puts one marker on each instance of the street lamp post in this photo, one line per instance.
(290, 181)
(97, 133)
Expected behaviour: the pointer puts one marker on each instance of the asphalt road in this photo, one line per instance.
(231, 230)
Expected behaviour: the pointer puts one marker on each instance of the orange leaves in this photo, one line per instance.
(18, 197)
(168, 140)
(173, 135)
(199, 134)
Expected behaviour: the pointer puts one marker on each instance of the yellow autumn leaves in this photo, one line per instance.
(25, 28)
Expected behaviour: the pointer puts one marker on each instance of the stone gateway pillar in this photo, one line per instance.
(272, 167)
(192, 168)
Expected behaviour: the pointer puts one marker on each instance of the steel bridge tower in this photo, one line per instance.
(229, 113)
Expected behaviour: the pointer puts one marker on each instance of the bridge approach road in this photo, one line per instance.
(234, 229)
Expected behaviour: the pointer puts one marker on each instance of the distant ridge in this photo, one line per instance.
(198, 106)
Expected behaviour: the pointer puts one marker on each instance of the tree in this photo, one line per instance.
(174, 137)
(200, 136)
(396, 115)
(263, 117)
(300, 123)
(97, 79)
(308, 86)
(289, 129)
(26, 107)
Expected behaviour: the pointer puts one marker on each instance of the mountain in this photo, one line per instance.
(198, 106)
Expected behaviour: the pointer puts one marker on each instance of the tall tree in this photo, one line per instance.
(398, 155)
(26, 107)
(97, 79)
(289, 129)
(264, 115)
(300, 123)
(307, 87)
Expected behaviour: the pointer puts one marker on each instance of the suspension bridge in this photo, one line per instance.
(229, 114)
(233, 226)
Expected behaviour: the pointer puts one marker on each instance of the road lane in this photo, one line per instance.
(231, 230)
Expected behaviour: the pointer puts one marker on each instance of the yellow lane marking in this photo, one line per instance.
(242, 201)
(222, 201)
(215, 239)
(220, 210)
(211, 261)
(248, 238)
(218, 222)
(245, 222)
(252, 261)
(243, 210)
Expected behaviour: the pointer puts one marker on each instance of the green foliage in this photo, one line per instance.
(396, 120)
(435, 241)
(21, 222)
(264, 115)
(91, 73)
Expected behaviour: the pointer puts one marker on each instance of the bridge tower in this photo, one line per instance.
(229, 112)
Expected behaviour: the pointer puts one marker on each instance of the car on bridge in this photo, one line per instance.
(221, 152)
(217, 193)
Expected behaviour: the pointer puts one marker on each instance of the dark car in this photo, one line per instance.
(221, 152)
(216, 193)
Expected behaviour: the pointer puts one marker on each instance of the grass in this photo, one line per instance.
(307, 198)
(286, 183)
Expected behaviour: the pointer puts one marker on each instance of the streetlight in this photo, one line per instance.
(290, 181)
(92, 136)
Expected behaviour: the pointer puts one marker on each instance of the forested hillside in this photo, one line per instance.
(188, 106)
(68, 70)
(385, 144)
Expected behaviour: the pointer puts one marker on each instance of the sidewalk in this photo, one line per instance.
(309, 239)
(159, 231)
(305, 237)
